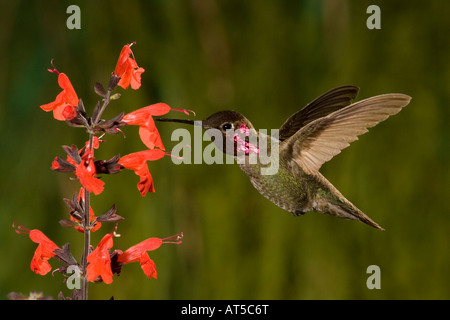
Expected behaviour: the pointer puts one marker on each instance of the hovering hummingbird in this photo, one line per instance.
(308, 139)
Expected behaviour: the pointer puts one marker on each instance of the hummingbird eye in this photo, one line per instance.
(227, 126)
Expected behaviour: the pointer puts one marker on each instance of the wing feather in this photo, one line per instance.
(327, 103)
(322, 139)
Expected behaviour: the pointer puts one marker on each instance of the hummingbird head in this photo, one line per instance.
(226, 120)
(228, 123)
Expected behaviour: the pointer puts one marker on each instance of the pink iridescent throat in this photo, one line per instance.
(242, 145)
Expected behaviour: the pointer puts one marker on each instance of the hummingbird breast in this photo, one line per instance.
(286, 188)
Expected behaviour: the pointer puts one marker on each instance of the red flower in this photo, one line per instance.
(66, 101)
(100, 261)
(82, 163)
(44, 251)
(85, 171)
(139, 253)
(138, 162)
(147, 129)
(127, 69)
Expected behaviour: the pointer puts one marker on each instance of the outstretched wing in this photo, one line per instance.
(323, 138)
(327, 103)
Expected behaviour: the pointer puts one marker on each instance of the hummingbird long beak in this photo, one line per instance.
(188, 121)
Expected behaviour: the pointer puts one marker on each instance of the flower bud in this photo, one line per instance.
(99, 89)
(115, 96)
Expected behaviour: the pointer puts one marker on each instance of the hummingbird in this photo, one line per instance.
(307, 139)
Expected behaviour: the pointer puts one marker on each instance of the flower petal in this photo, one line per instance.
(147, 129)
(52, 105)
(138, 163)
(44, 251)
(39, 263)
(135, 80)
(100, 261)
(135, 252)
(148, 266)
(48, 246)
(138, 252)
(70, 96)
(121, 65)
(145, 183)
(86, 176)
(127, 69)
(150, 137)
(141, 116)
(135, 160)
(64, 105)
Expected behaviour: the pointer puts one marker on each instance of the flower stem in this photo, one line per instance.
(87, 218)
(87, 243)
(87, 234)
(106, 101)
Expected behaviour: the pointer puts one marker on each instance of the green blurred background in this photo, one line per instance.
(266, 59)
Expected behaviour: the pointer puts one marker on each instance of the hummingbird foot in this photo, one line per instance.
(297, 213)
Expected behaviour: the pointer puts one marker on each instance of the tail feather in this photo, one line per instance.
(344, 209)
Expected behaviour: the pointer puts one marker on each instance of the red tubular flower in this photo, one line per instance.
(44, 251)
(100, 261)
(82, 163)
(86, 174)
(147, 129)
(66, 101)
(85, 171)
(127, 69)
(138, 163)
(139, 253)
